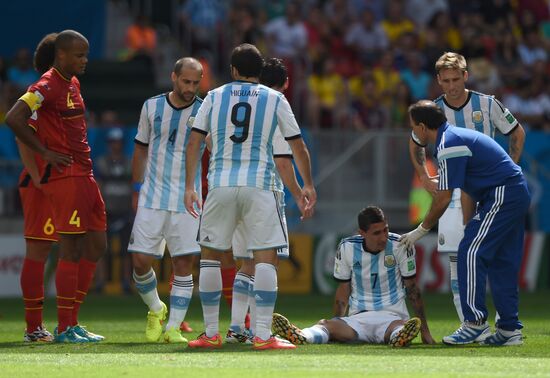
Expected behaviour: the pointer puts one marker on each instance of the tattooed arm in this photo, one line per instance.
(517, 139)
(415, 300)
(418, 159)
(341, 298)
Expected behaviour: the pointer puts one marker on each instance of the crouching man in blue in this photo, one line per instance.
(492, 245)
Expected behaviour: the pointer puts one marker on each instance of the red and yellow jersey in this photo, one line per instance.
(58, 119)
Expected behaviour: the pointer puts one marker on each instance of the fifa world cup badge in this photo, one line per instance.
(389, 261)
(477, 116)
(441, 239)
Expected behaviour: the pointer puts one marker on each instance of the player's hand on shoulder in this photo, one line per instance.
(190, 199)
(413, 236)
(57, 160)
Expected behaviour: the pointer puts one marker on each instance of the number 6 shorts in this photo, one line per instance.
(258, 210)
(37, 212)
(77, 205)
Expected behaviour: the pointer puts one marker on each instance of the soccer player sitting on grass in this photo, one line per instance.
(375, 274)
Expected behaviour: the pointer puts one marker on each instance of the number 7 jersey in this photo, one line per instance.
(242, 118)
(376, 278)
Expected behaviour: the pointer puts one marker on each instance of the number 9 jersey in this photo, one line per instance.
(376, 278)
(242, 118)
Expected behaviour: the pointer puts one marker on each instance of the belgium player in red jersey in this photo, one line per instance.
(54, 108)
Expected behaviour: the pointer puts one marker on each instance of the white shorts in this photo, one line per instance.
(239, 241)
(371, 326)
(451, 226)
(258, 210)
(154, 229)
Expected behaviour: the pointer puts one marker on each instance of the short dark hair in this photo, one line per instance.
(65, 39)
(187, 62)
(248, 60)
(274, 73)
(428, 113)
(44, 55)
(370, 215)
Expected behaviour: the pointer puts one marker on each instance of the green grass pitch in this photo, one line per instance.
(125, 352)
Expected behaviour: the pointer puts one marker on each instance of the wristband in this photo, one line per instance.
(137, 186)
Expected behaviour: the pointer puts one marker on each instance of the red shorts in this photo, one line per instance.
(37, 212)
(77, 205)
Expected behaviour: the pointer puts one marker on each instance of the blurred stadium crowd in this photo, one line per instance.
(354, 64)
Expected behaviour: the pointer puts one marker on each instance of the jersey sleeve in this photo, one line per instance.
(342, 267)
(286, 120)
(501, 117)
(406, 260)
(281, 148)
(38, 94)
(144, 126)
(452, 163)
(200, 123)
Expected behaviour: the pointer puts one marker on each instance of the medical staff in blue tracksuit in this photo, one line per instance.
(492, 245)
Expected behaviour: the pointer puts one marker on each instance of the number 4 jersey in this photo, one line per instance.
(376, 278)
(164, 129)
(242, 118)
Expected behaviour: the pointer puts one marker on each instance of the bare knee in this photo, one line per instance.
(142, 263)
(183, 265)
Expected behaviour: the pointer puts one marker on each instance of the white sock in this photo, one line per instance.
(210, 290)
(454, 284)
(265, 293)
(316, 334)
(180, 296)
(146, 286)
(241, 287)
(252, 306)
(395, 331)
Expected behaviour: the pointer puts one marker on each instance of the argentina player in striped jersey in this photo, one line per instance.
(158, 172)
(472, 110)
(274, 75)
(375, 275)
(242, 117)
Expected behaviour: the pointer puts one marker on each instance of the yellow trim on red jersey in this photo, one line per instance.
(45, 239)
(71, 232)
(60, 74)
(32, 100)
(32, 127)
(33, 299)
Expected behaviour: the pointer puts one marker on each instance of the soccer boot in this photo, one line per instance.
(153, 330)
(83, 332)
(203, 341)
(185, 327)
(468, 334)
(233, 337)
(504, 338)
(68, 336)
(407, 333)
(283, 327)
(39, 334)
(272, 343)
(173, 336)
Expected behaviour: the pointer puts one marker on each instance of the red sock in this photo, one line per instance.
(228, 278)
(86, 270)
(66, 279)
(32, 287)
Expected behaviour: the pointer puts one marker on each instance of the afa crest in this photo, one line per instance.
(441, 239)
(389, 261)
(477, 116)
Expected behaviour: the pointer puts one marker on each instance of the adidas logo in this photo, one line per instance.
(258, 298)
(206, 239)
(357, 264)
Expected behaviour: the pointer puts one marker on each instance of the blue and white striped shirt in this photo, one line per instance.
(481, 112)
(242, 118)
(376, 278)
(165, 130)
